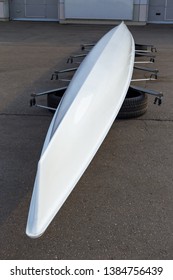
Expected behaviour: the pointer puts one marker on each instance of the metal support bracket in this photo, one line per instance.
(149, 70)
(158, 95)
(145, 61)
(72, 57)
(87, 47)
(52, 91)
(57, 72)
(143, 47)
(153, 77)
(145, 69)
(137, 54)
(34, 96)
(40, 106)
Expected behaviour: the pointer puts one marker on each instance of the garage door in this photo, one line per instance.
(99, 9)
(46, 10)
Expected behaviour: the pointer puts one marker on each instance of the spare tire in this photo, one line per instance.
(134, 105)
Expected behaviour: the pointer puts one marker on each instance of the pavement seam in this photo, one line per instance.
(23, 115)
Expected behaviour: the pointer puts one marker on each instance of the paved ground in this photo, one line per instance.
(122, 208)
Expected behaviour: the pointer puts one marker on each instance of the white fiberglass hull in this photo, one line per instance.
(80, 124)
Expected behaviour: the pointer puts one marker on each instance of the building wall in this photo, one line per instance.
(157, 10)
(140, 10)
(143, 11)
(160, 11)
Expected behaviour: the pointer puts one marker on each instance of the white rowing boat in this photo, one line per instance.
(80, 124)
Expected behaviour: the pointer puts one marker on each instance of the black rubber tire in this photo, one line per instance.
(135, 104)
(54, 99)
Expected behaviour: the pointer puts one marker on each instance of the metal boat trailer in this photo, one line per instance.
(141, 51)
(57, 74)
(138, 47)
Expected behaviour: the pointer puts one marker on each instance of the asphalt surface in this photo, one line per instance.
(122, 208)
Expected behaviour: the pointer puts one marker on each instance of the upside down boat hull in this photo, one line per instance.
(80, 124)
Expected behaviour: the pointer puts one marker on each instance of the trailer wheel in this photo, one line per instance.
(135, 104)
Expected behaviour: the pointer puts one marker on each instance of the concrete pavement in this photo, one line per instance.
(122, 208)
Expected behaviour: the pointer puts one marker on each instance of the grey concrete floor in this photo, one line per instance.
(122, 208)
